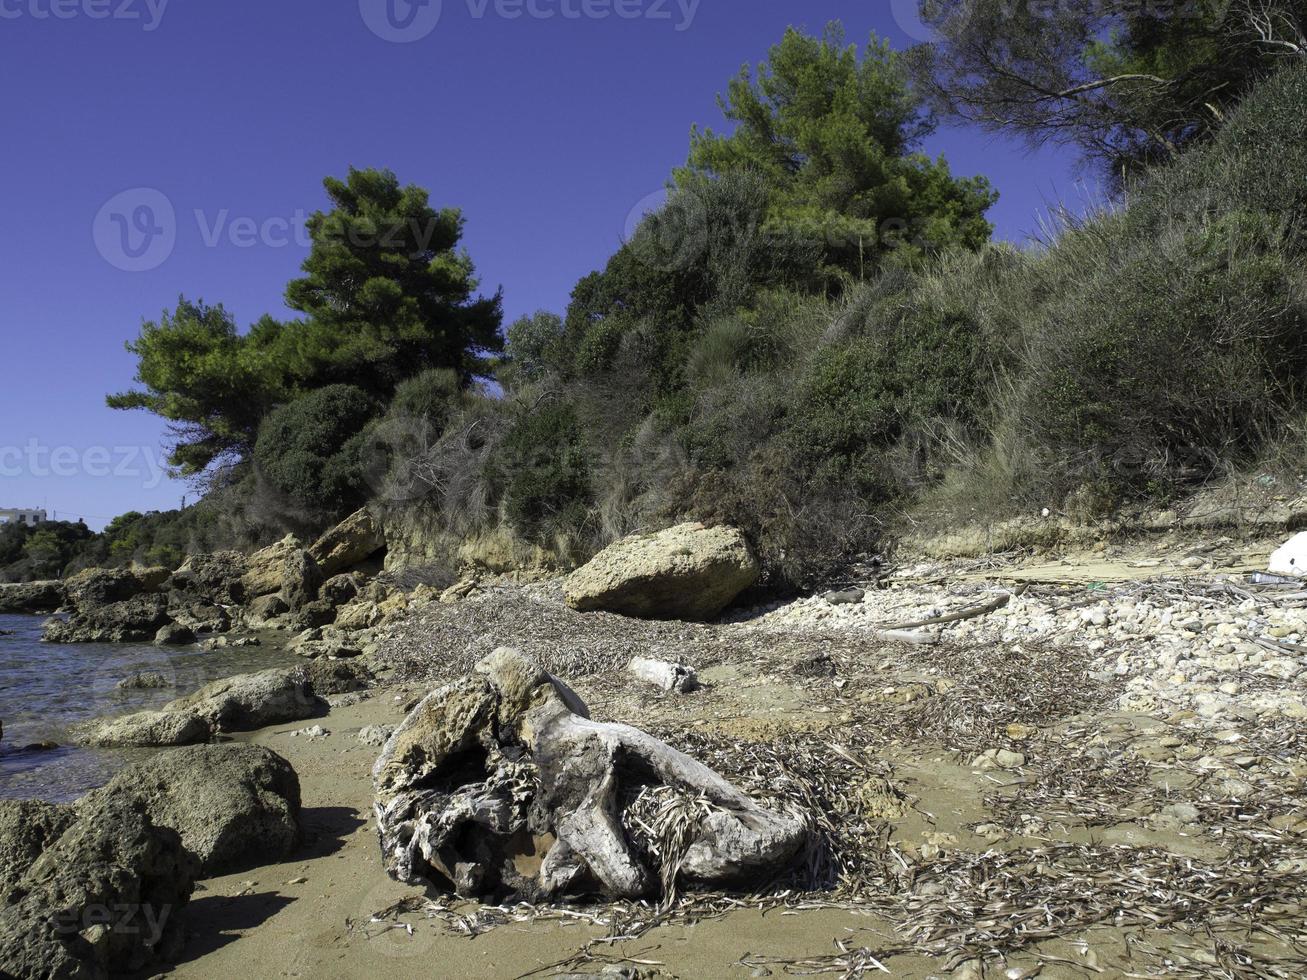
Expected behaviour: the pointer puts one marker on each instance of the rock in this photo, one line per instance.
(249, 701)
(105, 899)
(217, 578)
(328, 642)
(199, 617)
(313, 731)
(94, 587)
(685, 572)
(669, 677)
(328, 677)
(359, 615)
(145, 680)
(133, 620)
(31, 598)
(301, 579)
(351, 542)
(1291, 557)
(265, 610)
(235, 806)
(27, 828)
(845, 597)
(173, 635)
(154, 729)
(235, 704)
(499, 784)
(377, 735)
(998, 759)
(314, 614)
(265, 569)
(339, 590)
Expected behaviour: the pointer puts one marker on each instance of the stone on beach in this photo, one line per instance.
(235, 806)
(660, 673)
(105, 899)
(234, 704)
(684, 572)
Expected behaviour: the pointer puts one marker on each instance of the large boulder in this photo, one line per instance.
(198, 615)
(95, 587)
(266, 611)
(27, 828)
(264, 573)
(150, 729)
(301, 580)
(328, 677)
(500, 785)
(685, 572)
(105, 899)
(234, 704)
(235, 806)
(249, 701)
(217, 578)
(351, 542)
(31, 598)
(132, 620)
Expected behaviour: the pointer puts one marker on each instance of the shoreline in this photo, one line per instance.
(1038, 756)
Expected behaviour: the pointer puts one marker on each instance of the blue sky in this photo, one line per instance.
(547, 121)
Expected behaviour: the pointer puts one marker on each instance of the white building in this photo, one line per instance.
(29, 517)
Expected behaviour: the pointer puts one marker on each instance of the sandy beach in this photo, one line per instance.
(1014, 801)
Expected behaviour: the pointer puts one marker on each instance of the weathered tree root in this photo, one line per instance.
(501, 784)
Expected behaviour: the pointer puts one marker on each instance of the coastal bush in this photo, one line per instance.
(540, 471)
(309, 454)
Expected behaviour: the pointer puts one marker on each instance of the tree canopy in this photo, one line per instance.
(386, 293)
(1128, 83)
(835, 136)
(212, 383)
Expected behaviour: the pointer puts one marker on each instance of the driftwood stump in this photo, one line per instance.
(500, 784)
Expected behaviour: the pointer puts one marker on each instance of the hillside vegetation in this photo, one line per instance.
(813, 339)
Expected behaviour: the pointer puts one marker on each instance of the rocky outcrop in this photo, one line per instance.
(199, 616)
(351, 542)
(31, 598)
(235, 806)
(301, 580)
(685, 572)
(95, 587)
(106, 898)
(265, 573)
(137, 619)
(217, 578)
(27, 828)
(501, 785)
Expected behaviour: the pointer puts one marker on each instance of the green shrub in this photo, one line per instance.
(1161, 357)
(309, 453)
(432, 396)
(540, 472)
